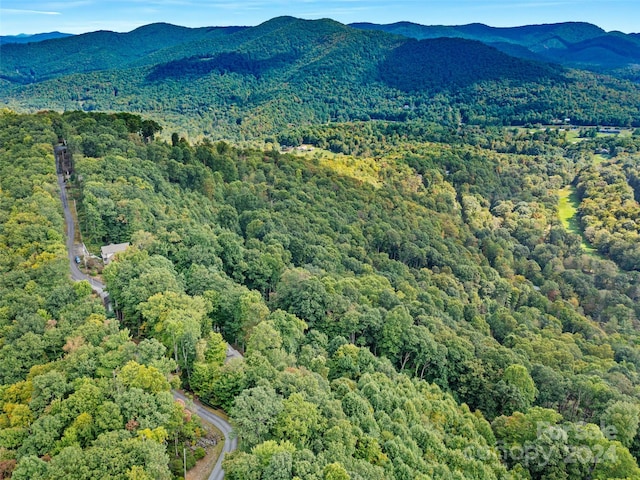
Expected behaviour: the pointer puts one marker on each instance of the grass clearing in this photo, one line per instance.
(568, 214)
(598, 158)
(363, 169)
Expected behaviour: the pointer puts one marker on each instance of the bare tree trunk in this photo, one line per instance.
(424, 367)
(186, 362)
(405, 359)
(175, 352)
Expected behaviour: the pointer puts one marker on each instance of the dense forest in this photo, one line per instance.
(78, 397)
(407, 300)
(242, 84)
(609, 208)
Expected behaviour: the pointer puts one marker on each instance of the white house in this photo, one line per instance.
(108, 251)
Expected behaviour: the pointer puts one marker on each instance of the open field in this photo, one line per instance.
(568, 214)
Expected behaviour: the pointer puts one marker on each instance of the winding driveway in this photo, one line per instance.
(230, 442)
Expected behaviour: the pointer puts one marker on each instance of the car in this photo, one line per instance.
(77, 259)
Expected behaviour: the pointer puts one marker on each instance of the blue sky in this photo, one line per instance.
(78, 16)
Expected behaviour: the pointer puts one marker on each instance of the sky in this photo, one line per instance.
(79, 16)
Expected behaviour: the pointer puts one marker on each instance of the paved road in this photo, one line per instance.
(230, 442)
(76, 274)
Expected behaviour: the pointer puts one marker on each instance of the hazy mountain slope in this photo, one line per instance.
(38, 37)
(604, 51)
(571, 43)
(528, 35)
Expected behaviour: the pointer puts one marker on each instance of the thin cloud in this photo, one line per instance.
(68, 5)
(20, 11)
(167, 3)
(538, 4)
(513, 5)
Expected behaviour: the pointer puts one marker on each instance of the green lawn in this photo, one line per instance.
(568, 213)
(598, 159)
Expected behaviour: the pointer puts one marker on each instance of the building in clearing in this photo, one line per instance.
(108, 251)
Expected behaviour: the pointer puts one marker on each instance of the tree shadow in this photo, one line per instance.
(453, 63)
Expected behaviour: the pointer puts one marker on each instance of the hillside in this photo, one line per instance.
(423, 281)
(414, 309)
(78, 397)
(248, 83)
(102, 50)
(572, 44)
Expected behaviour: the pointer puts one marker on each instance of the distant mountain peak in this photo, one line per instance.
(286, 20)
(156, 26)
(30, 38)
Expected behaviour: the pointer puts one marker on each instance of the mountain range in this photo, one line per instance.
(27, 38)
(575, 44)
(248, 81)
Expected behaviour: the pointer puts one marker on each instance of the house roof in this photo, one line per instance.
(112, 248)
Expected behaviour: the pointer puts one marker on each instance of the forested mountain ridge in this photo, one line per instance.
(576, 44)
(245, 83)
(101, 50)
